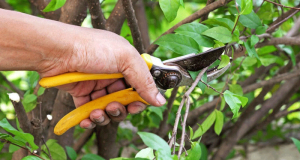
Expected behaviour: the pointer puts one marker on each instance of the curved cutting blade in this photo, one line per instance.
(196, 62)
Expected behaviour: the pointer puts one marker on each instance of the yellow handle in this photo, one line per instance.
(83, 112)
(73, 118)
(67, 78)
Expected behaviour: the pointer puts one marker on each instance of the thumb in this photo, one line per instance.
(137, 74)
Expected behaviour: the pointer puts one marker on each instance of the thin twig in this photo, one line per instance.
(282, 5)
(133, 25)
(5, 88)
(178, 114)
(173, 137)
(211, 87)
(43, 139)
(6, 141)
(279, 23)
(183, 124)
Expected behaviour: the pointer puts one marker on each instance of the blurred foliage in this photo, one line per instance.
(220, 21)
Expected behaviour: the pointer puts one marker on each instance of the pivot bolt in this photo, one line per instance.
(156, 73)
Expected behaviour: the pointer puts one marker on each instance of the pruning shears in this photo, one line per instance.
(166, 74)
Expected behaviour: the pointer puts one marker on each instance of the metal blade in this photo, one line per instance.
(196, 62)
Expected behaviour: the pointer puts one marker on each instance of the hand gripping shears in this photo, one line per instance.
(166, 74)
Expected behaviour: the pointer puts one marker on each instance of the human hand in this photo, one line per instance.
(97, 51)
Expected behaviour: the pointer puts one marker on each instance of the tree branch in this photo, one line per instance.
(191, 18)
(83, 139)
(22, 116)
(272, 81)
(141, 17)
(16, 89)
(282, 5)
(41, 4)
(276, 41)
(116, 19)
(5, 5)
(280, 19)
(133, 25)
(98, 20)
(163, 128)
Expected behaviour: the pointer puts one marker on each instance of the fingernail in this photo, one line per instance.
(115, 113)
(92, 125)
(100, 119)
(160, 98)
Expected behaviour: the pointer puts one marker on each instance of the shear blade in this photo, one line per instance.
(196, 62)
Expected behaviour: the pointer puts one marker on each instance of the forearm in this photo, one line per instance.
(32, 43)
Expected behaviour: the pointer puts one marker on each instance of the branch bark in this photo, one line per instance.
(140, 14)
(83, 139)
(276, 41)
(98, 20)
(189, 19)
(5, 5)
(133, 25)
(117, 17)
(41, 4)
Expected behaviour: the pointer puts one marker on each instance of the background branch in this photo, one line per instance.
(133, 25)
(98, 20)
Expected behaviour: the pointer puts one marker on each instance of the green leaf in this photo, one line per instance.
(205, 125)
(219, 122)
(195, 152)
(254, 39)
(219, 33)
(296, 142)
(204, 152)
(170, 8)
(155, 142)
(18, 125)
(222, 105)
(236, 89)
(178, 43)
(1, 145)
(289, 50)
(29, 102)
(235, 102)
(250, 20)
(218, 44)
(31, 157)
(247, 6)
(157, 111)
(191, 132)
(71, 153)
(25, 136)
(91, 156)
(29, 98)
(224, 61)
(12, 139)
(261, 29)
(249, 62)
(194, 30)
(145, 153)
(251, 50)
(218, 86)
(56, 151)
(41, 91)
(54, 5)
(160, 155)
